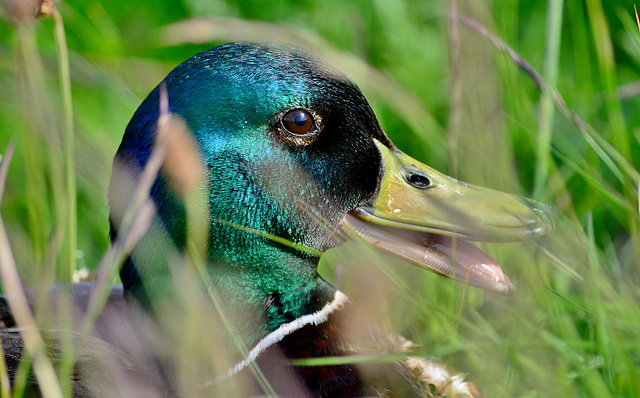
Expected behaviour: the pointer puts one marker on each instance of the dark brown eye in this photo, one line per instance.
(298, 122)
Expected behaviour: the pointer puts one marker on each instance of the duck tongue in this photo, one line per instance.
(453, 258)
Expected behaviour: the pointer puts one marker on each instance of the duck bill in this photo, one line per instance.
(427, 218)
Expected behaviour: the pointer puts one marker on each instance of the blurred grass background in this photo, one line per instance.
(444, 94)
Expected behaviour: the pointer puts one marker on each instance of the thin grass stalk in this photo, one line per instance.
(69, 146)
(546, 108)
(607, 63)
(35, 184)
(198, 230)
(46, 143)
(278, 239)
(171, 133)
(33, 342)
(33, 96)
(455, 84)
(597, 182)
(349, 359)
(47, 221)
(196, 260)
(5, 392)
(578, 35)
(135, 221)
(597, 382)
(67, 265)
(16, 297)
(21, 377)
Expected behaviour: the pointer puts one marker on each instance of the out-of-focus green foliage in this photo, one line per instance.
(445, 95)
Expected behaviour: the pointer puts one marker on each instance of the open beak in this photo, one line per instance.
(426, 218)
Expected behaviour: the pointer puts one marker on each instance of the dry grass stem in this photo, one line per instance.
(17, 299)
(599, 144)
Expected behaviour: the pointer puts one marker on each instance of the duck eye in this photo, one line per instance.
(298, 122)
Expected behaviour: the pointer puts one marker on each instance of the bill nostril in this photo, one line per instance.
(418, 180)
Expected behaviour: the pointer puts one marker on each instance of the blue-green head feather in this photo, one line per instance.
(259, 175)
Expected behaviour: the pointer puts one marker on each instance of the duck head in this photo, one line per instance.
(294, 160)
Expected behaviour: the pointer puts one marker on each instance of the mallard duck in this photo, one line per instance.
(291, 162)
